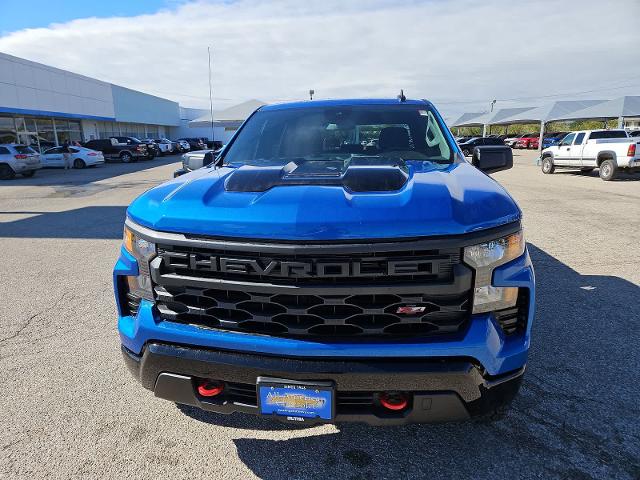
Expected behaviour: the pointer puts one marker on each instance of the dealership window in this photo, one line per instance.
(68, 131)
(7, 130)
(152, 131)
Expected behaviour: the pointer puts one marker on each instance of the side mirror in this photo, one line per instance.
(492, 158)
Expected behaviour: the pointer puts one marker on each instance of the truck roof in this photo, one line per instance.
(344, 102)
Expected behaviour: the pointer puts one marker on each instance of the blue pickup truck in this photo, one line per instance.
(338, 261)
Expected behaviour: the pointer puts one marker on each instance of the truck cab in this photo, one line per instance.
(340, 261)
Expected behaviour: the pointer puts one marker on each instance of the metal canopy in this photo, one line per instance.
(232, 116)
(628, 106)
(554, 111)
(488, 118)
(466, 120)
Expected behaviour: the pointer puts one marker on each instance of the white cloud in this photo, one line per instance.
(447, 51)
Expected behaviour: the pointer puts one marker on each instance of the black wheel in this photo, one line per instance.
(126, 157)
(6, 172)
(608, 170)
(466, 152)
(79, 163)
(28, 174)
(547, 165)
(586, 170)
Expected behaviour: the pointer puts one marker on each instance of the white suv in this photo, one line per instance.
(16, 158)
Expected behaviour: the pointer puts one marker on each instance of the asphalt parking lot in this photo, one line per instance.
(70, 409)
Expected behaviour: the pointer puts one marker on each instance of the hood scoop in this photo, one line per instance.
(356, 174)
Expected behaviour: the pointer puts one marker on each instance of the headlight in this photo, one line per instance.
(143, 251)
(484, 258)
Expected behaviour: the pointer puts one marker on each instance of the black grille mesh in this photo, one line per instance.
(317, 315)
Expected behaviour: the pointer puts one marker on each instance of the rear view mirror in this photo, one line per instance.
(492, 158)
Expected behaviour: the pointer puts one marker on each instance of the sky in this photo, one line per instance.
(461, 54)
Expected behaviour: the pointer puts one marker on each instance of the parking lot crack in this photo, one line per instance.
(29, 320)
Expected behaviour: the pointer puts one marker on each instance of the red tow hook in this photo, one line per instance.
(210, 388)
(395, 401)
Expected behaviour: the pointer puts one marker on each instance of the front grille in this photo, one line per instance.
(318, 315)
(332, 294)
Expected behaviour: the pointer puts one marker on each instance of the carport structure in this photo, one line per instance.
(620, 108)
(553, 112)
(488, 118)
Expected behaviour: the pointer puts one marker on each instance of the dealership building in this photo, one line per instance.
(43, 106)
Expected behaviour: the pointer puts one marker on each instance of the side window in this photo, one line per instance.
(4, 151)
(568, 140)
(579, 139)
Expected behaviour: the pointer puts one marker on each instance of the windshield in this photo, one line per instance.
(275, 137)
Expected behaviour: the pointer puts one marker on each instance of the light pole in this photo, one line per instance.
(213, 135)
(484, 127)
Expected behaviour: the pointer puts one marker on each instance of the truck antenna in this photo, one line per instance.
(401, 97)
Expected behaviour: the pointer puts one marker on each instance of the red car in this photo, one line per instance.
(528, 141)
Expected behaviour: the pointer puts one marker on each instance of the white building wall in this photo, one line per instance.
(32, 88)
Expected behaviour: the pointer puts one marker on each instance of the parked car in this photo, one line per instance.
(551, 139)
(634, 133)
(81, 157)
(165, 146)
(531, 140)
(20, 159)
(468, 146)
(307, 284)
(194, 160)
(195, 143)
(114, 149)
(183, 146)
(608, 150)
(460, 140)
(511, 141)
(153, 150)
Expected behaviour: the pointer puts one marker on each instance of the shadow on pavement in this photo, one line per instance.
(101, 222)
(577, 415)
(61, 177)
(622, 176)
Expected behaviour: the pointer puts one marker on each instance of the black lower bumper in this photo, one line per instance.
(440, 390)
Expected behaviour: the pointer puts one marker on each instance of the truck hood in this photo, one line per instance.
(434, 200)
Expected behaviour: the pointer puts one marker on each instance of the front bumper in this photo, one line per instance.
(439, 390)
(483, 341)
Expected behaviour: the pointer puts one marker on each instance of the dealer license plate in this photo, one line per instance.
(298, 401)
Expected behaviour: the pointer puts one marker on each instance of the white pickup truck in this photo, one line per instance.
(608, 150)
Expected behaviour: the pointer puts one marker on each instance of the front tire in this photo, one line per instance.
(547, 165)
(79, 163)
(608, 170)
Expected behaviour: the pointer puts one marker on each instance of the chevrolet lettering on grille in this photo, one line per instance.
(318, 268)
